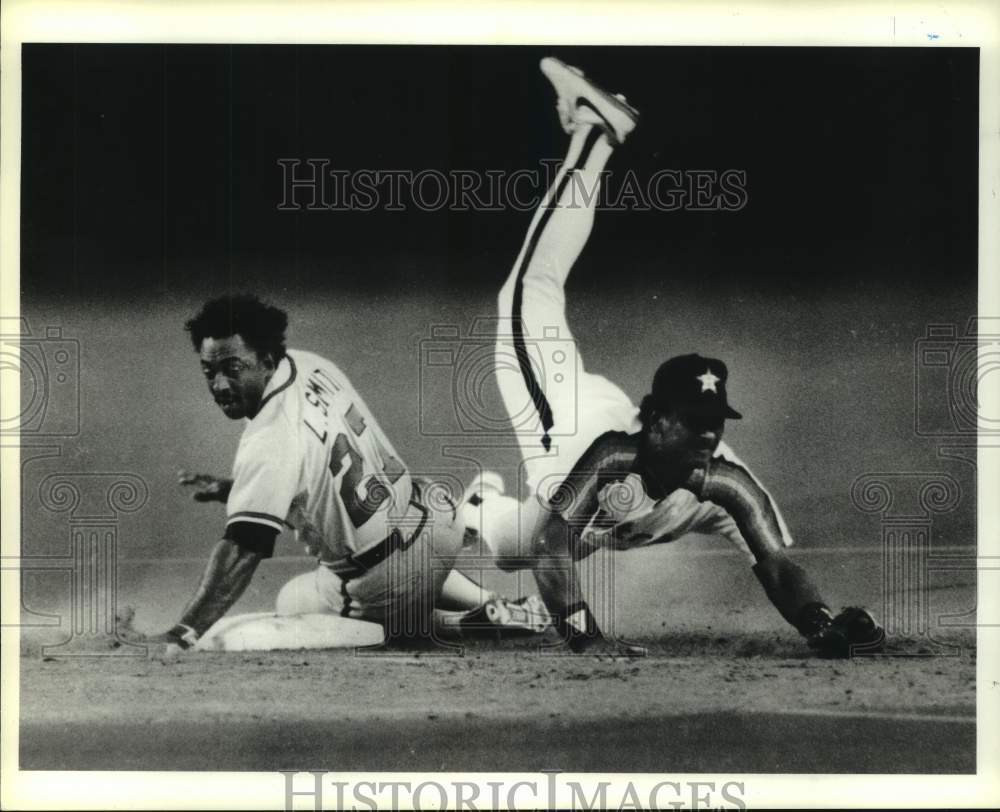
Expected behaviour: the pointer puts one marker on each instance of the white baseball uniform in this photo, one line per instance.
(315, 459)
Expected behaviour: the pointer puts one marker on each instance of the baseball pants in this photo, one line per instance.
(557, 408)
(399, 593)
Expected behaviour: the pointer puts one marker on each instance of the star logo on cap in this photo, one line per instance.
(708, 381)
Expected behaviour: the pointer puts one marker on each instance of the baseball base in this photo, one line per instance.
(266, 631)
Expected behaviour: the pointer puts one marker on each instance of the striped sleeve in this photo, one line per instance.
(731, 486)
(265, 479)
(725, 453)
(608, 460)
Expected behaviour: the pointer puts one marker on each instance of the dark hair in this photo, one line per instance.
(646, 409)
(261, 325)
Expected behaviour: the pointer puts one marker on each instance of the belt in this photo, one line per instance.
(357, 564)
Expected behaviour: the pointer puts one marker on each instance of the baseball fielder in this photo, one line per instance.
(313, 458)
(601, 471)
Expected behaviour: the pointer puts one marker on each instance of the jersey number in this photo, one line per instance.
(361, 494)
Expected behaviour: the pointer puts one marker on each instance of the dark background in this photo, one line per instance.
(150, 181)
(153, 168)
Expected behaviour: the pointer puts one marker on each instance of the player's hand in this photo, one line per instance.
(205, 487)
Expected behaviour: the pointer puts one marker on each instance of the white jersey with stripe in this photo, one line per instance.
(314, 459)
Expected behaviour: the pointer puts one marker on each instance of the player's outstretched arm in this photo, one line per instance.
(789, 586)
(227, 574)
(205, 487)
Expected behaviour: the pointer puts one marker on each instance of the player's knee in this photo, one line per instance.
(300, 596)
(289, 600)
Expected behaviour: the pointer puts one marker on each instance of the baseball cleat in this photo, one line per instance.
(580, 101)
(531, 611)
(501, 617)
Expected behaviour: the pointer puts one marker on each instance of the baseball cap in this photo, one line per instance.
(693, 384)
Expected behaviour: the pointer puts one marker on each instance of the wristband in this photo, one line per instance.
(186, 636)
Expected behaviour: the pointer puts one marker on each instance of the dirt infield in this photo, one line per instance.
(695, 705)
(728, 686)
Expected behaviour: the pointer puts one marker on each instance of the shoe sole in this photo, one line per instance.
(616, 117)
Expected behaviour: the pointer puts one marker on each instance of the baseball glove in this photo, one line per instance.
(854, 631)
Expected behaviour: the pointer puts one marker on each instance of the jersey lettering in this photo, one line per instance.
(317, 460)
(362, 494)
(314, 398)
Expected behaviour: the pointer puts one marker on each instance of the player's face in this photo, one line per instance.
(686, 441)
(236, 376)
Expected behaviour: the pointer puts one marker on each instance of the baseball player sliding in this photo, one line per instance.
(313, 458)
(601, 471)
